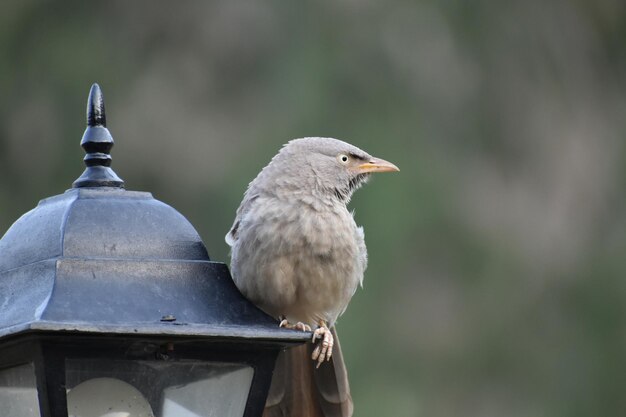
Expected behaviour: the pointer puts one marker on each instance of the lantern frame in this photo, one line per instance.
(102, 274)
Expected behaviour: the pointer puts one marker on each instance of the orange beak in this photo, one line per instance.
(376, 165)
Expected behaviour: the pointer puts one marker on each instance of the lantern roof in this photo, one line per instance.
(101, 259)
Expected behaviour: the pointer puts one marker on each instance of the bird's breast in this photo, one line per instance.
(293, 259)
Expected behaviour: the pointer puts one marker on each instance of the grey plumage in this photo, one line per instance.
(297, 252)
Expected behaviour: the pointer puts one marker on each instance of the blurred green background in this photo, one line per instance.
(496, 284)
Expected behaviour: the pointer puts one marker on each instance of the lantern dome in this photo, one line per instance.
(100, 223)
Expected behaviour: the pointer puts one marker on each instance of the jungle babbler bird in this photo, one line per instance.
(297, 253)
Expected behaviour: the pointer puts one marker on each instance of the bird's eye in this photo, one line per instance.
(344, 158)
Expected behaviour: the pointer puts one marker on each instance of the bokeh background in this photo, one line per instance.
(496, 284)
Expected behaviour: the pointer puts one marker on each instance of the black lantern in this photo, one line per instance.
(110, 306)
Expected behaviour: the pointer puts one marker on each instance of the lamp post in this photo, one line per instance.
(110, 306)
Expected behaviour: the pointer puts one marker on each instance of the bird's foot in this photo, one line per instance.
(324, 349)
(298, 326)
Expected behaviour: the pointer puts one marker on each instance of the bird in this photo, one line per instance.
(298, 254)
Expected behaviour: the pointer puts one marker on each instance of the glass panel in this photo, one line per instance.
(222, 394)
(18, 392)
(118, 388)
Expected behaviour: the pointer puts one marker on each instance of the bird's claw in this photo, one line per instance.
(298, 326)
(324, 349)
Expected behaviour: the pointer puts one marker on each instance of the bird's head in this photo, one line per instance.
(328, 165)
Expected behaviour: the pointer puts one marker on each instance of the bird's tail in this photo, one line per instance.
(300, 390)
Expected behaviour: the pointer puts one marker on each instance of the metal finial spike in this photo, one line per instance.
(96, 115)
(97, 143)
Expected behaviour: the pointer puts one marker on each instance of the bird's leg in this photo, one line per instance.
(298, 326)
(324, 350)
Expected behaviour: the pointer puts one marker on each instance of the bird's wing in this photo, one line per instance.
(231, 236)
(360, 241)
(300, 389)
(244, 207)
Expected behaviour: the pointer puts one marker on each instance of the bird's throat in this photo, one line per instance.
(344, 194)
